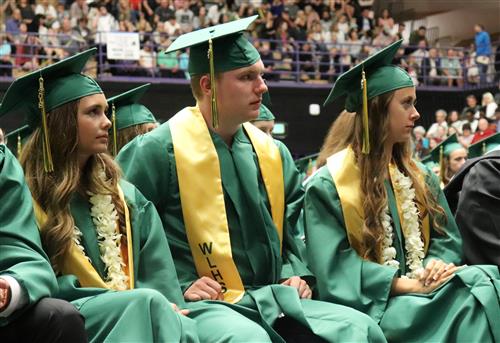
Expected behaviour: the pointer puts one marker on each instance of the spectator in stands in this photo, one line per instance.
(27, 49)
(467, 136)
(13, 23)
(311, 16)
(172, 27)
(124, 12)
(386, 22)
(27, 12)
(184, 17)
(365, 22)
(433, 131)
(81, 32)
(149, 10)
(5, 56)
(452, 69)
(163, 12)
(44, 7)
(147, 59)
(431, 68)
(483, 51)
(421, 52)
(103, 23)
(471, 105)
(77, 10)
(353, 44)
(483, 130)
(292, 8)
(214, 12)
(381, 38)
(415, 38)
(421, 142)
(471, 68)
(343, 24)
(401, 34)
(454, 121)
(489, 105)
(306, 60)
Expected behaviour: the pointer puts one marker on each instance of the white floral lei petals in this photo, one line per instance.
(104, 216)
(388, 251)
(414, 245)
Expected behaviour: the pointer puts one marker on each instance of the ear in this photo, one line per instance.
(205, 84)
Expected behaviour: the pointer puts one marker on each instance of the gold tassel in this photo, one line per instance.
(113, 121)
(442, 166)
(47, 155)
(19, 145)
(366, 129)
(213, 99)
(483, 149)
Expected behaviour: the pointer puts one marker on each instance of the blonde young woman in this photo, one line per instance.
(379, 233)
(103, 238)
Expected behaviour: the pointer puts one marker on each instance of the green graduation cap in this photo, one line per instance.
(372, 77)
(306, 163)
(429, 162)
(48, 88)
(444, 149)
(485, 145)
(265, 114)
(127, 111)
(17, 138)
(218, 49)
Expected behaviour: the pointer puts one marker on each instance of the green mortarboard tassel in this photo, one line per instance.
(47, 155)
(366, 130)
(215, 114)
(113, 120)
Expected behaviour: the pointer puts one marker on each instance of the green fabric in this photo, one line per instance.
(129, 111)
(12, 137)
(156, 281)
(465, 309)
(254, 241)
(485, 145)
(265, 114)
(303, 163)
(167, 61)
(21, 254)
(231, 48)
(63, 83)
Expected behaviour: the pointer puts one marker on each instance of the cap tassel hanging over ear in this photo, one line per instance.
(366, 130)
(442, 167)
(213, 99)
(113, 122)
(47, 155)
(19, 145)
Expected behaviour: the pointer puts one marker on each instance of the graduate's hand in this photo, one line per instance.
(204, 288)
(436, 270)
(4, 294)
(301, 286)
(178, 310)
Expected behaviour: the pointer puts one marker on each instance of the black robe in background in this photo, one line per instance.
(474, 197)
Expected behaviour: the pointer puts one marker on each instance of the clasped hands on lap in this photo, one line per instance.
(206, 288)
(435, 273)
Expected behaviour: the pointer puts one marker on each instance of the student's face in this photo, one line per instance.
(265, 126)
(456, 160)
(402, 115)
(239, 93)
(93, 125)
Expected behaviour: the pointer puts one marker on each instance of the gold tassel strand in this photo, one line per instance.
(113, 120)
(366, 130)
(19, 145)
(47, 155)
(213, 99)
(442, 167)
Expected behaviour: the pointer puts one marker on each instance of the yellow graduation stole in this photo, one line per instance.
(346, 176)
(202, 197)
(75, 261)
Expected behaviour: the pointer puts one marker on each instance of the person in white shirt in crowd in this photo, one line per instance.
(433, 131)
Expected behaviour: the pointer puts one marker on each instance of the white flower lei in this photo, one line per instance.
(104, 216)
(414, 245)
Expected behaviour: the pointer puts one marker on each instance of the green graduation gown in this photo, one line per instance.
(464, 309)
(254, 240)
(21, 254)
(155, 279)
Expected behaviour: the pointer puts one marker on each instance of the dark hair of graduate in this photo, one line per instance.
(53, 191)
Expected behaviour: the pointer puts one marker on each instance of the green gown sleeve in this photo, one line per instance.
(343, 277)
(447, 246)
(294, 252)
(21, 254)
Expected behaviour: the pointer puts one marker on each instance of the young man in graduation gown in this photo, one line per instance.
(228, 196)
(474, 198)
(26, 278)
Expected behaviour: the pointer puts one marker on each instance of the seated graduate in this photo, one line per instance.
(266, 118)
(380, 237)
(474, 198)
(229, 196)
(451, 156)
(97, 230)
(16, 138)
(132, 118)
(26, 278)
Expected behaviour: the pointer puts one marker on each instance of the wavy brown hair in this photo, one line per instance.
(374, 170)
(125, 135)
(53, 191)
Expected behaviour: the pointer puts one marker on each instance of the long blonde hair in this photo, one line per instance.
(53, 191)
(127, 134)
(374, 170)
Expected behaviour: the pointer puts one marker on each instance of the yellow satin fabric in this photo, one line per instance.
(347, 178)
(76, 263)
(202, 197)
